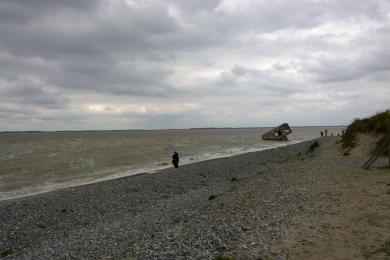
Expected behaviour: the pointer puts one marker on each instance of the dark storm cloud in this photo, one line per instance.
(22, 12)
(101, 52)
(75, 33)
(109, 76)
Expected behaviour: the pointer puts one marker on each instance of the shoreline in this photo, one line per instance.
(130, 173)
(245, 206)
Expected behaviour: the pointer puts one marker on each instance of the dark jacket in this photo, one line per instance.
(175, 157)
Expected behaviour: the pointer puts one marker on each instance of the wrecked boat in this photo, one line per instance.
(278, 133)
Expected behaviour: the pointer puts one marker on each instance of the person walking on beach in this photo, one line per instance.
(326, 132)
(322, 134)
(175, 159)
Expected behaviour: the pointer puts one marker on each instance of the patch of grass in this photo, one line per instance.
(6, 252)
(175, 220)
(313, 146)
(282, 160)
(224, 258)
(379, 123)
(233, 179)
(383, 249)
(274, 256)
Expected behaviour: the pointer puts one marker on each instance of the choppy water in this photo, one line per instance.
(37, 162)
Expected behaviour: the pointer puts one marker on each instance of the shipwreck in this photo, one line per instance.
(278, 133)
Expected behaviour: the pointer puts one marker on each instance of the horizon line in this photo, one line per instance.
(157, 129)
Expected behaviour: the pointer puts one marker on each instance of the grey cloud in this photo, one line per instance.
(268, 81)
(131, 78)
(22, 12)
(196, 6)
(93, 54)
(335, 69)
(265, 16)
(53, 35)
(31, 92)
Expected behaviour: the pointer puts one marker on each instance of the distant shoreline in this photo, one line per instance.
(169, 129)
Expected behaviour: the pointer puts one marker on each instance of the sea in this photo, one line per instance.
(38, 162)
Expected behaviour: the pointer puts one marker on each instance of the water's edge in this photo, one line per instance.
(151, 170)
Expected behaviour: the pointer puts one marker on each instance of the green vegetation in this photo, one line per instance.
(224, 258)
(313, 146)
(233, 179)
(379, 123)
(6, 252)
(175, 220)
(383, 249)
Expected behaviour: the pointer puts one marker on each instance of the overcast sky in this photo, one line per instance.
(149, 64)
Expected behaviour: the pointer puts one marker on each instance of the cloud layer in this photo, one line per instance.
(123, 64)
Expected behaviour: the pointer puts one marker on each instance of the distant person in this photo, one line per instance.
(326, 132)
(322, 134)
(342, 132)
(175, 159)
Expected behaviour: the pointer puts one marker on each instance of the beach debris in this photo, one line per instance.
(347, 152)
(41, 226)
(6, 252)
(278, 133)
(201, 174)
(211, 197)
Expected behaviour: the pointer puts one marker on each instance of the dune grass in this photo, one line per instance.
(378, 123)
(312, 147)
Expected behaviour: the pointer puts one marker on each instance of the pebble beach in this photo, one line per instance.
(243, 207)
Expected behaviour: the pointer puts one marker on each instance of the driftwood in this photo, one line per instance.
(278, 133)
